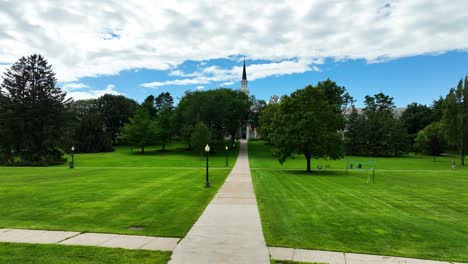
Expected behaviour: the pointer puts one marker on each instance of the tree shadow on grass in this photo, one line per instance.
(316, 173)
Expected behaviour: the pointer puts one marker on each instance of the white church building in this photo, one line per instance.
(250, 132)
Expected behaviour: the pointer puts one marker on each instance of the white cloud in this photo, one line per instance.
(91, 94)
(92, 38)
(200, 87)
(74, 86)
(212, 74)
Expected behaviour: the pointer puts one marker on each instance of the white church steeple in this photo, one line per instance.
(244, 87)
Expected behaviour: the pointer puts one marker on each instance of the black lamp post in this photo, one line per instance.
(207, 181)
(226, 148)
(72, 163)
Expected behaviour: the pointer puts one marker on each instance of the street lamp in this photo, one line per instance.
(207, 150)
(226, 148)
(72, 163)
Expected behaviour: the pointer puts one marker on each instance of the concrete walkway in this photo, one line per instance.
(88, 239)
(229, 230)
(330, 257)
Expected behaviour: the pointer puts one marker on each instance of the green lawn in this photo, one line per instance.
(421, 214)
(174, 156)
(60, 254)
(111, 192)
(263, 159)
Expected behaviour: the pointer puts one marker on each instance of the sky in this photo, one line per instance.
(414, 51)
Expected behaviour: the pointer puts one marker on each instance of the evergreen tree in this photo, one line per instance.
(33, 113)
(164, 101)
(377, 132)
(165, 116)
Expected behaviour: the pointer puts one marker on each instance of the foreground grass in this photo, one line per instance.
(55, 254)
(105, 197)
(166, 202)
(419, 214)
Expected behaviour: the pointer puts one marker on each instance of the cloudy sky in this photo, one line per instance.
(412, 50)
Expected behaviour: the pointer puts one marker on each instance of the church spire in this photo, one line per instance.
(244, 73)
(244, 87)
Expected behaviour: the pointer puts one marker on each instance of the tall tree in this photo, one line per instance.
(150, 106)
(455, 120)
(223, 111)
(142, 130)
(165, 116)
(200, 137)
(377, 132)
(115, 111)
(415, 118)
(32, 113)
(308, 122)
(164, 101)
(430, 140)
(266, 117)
(89, 129)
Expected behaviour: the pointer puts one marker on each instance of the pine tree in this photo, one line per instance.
(33, 113)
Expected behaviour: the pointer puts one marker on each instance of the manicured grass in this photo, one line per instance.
(104, 197)
(420, 214)
(174, 156)
(55, 254)
(263, 159)
(165, 201)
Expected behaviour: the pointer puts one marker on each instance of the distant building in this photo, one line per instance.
(397, 112)
(250, 132)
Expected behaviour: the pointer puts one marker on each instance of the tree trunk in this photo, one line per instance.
(164, 147)
(308, 163)
(201, 155)
(462, 156)
(142, 149)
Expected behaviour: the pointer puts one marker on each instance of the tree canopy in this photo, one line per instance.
(308, 122)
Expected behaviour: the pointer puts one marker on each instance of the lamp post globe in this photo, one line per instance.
(207, 179)
(226, 148)
(72, 163)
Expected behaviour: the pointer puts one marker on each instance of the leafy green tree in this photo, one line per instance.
(142, 130)
(89, 129)
(455, 119)
(308, 122)
(266, 117)
(430, 140)
(415, 118)
(222, 110)
(115, 111)
(200, 137)
(33, 113)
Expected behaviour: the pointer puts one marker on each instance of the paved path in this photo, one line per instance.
(88, 239)
(229, 230)
(304, 255)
